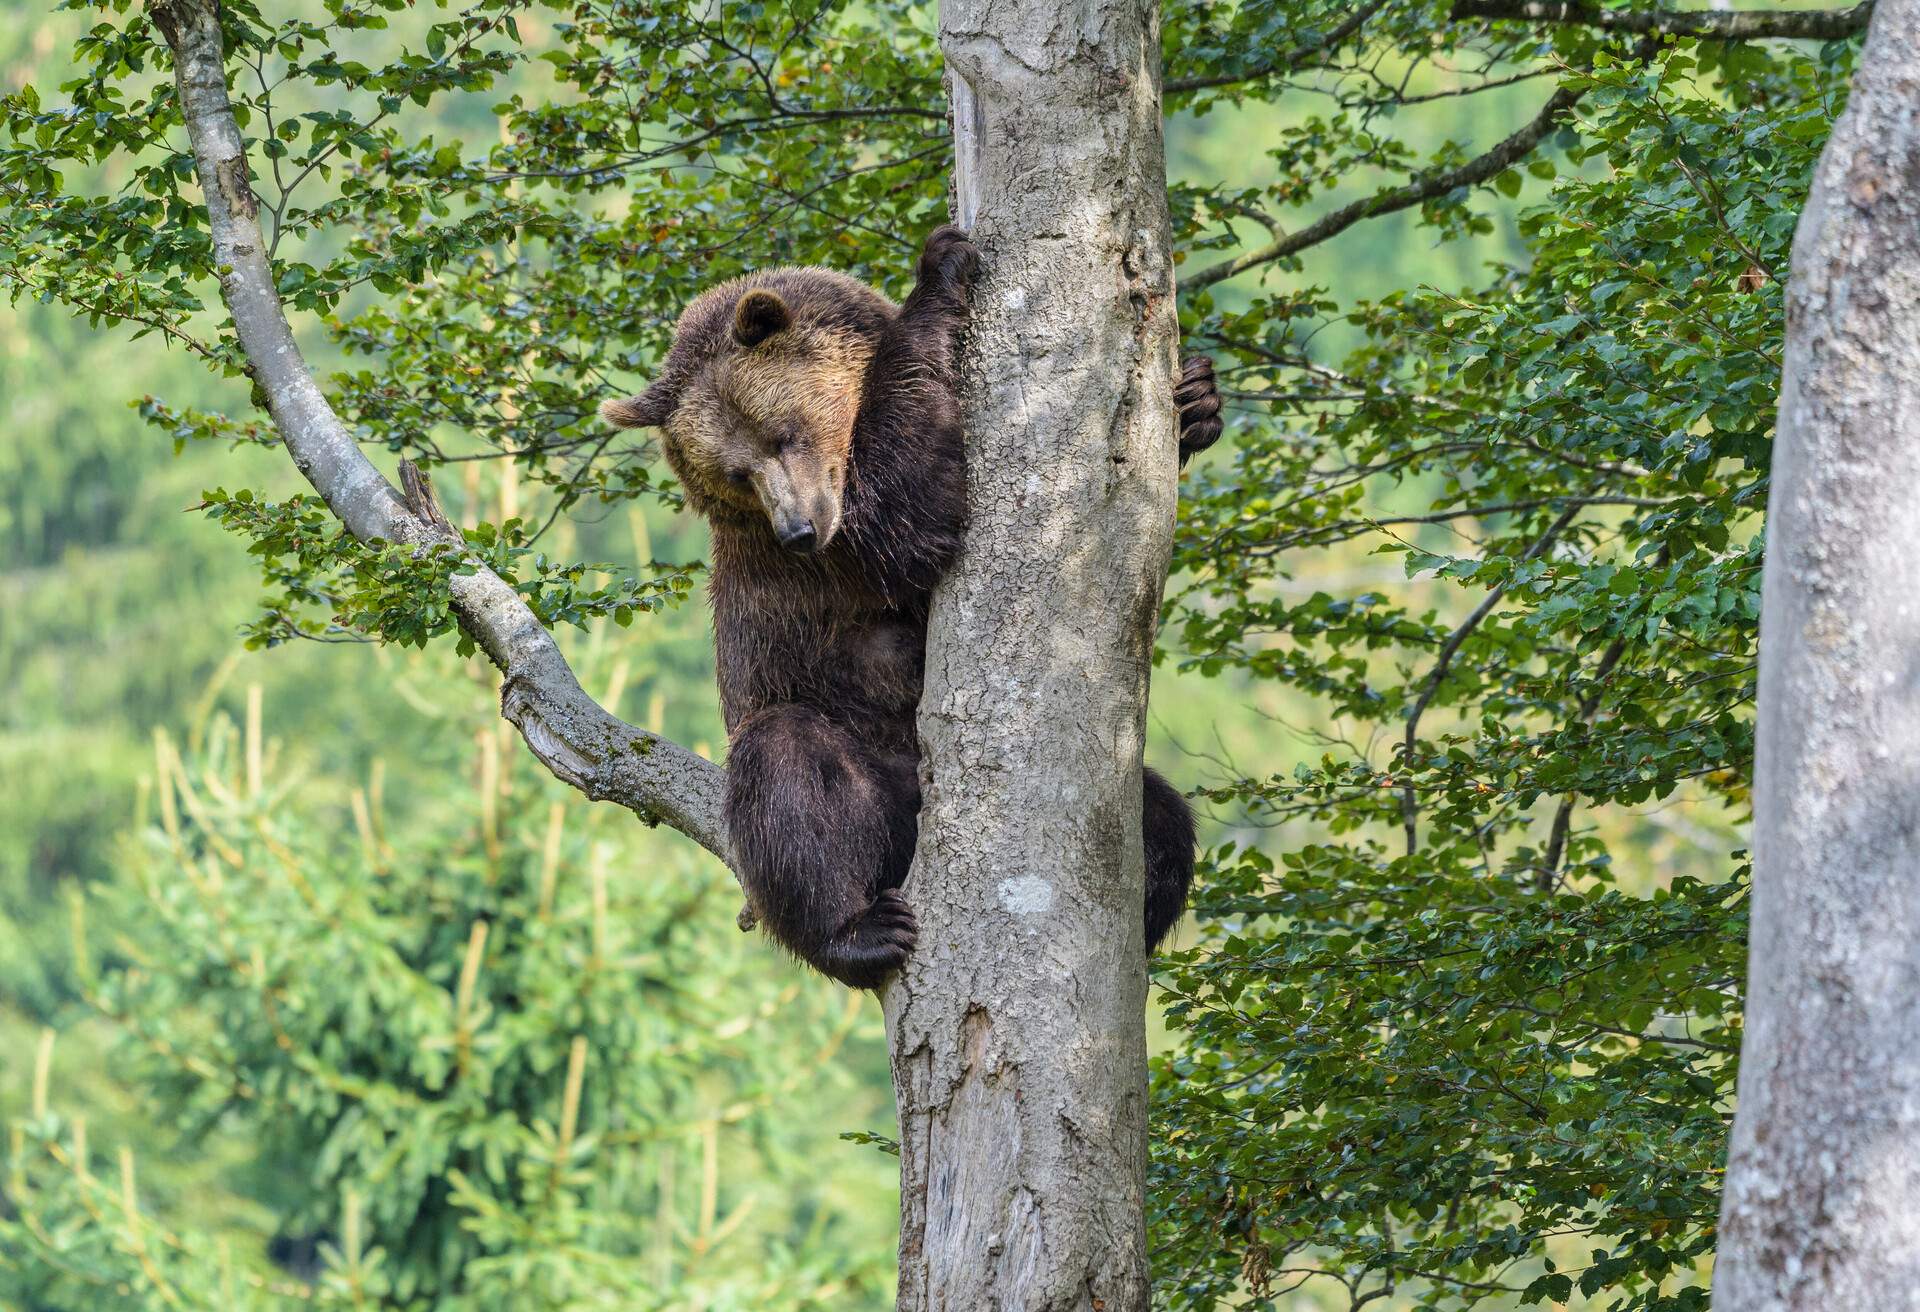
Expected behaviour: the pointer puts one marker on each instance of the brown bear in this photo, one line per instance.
(818, 428)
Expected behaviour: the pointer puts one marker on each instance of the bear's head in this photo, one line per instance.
(758, 395)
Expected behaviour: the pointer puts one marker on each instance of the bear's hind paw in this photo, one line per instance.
(872, 947)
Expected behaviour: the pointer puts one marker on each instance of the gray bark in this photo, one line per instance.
(1018, 1026)
(1822, 1203)
(598, 753)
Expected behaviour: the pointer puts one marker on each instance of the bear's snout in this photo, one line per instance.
(801, 498)
(797, 535)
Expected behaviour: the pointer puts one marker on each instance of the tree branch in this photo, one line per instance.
(1548, 876)
(598, 753)
(1477, 170)
(1707, 24)
(1409, 799)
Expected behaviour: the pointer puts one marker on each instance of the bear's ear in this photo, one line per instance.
(650, 409)
(759, 315)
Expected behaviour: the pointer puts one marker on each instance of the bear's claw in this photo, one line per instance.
(949, 260)
(1198, 399)
(874, 946)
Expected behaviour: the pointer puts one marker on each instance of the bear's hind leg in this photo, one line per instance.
(1168, 834)
(819, 830)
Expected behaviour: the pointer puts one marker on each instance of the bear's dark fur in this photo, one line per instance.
(818, 428)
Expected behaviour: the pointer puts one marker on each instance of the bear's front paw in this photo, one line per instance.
(949, 261)
(1198, 400)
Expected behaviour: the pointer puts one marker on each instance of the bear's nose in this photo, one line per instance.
(798, 536)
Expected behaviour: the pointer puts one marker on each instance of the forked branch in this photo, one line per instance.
(579, 741)
(1481, 168)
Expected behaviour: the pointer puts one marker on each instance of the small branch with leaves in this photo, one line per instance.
(1482, 168)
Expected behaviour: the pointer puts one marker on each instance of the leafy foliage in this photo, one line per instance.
(399, 594)
(1463, 1040)
(469, 1054)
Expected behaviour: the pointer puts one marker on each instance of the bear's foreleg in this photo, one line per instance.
(1168, 834)
(823, 835)
(943, 278)
(906, 507)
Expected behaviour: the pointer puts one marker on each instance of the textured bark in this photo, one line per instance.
(1018, 1026)
(598, 753)
(1822, 1203)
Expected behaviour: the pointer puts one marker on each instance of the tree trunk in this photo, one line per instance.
(1018, 1027)
(1822, 1204)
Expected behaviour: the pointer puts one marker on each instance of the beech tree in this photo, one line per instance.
(1823, 1178)
(1019, 1034)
